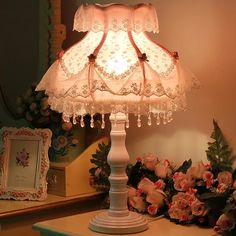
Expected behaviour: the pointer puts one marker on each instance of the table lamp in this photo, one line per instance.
(117, 69)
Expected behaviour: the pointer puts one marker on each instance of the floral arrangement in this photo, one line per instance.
(201, 193)
(34, 108)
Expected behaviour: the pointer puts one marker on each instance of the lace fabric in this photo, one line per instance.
(115, 17)
(127, 73)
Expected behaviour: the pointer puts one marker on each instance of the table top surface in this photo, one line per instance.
(16, 207)
(77, 225)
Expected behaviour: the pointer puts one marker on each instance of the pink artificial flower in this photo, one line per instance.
(138, 203)
(179, 214)
(225, 177)
(221, 188)
(208, 178)
(197, 171)
(182, 182)
(132, 192)
(159, 184)
(146, 185)
(224, 223)
(198, 208)
(150, 161)
(152, 209)
(162, 169)
(156, 197)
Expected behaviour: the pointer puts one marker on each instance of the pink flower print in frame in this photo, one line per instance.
(22, 158)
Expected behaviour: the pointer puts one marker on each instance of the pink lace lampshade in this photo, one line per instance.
(116, 68)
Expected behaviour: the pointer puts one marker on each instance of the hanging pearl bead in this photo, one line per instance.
(169, 116)
(103, 122)
(92, 122)
(158, 120)
(66, 118)
(127, 121)
(74, 120)
(139, 121)
(164, 119)
(82, 121)
(149, 119)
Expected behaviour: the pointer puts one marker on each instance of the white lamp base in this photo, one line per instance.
(118, 219)
(104, 223)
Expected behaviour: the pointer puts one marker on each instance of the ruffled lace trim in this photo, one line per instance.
(159, 112)
(138, 18)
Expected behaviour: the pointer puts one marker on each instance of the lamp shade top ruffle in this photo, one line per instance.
(137, 18)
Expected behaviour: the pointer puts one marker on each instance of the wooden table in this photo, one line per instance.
(17, 217)
(77, 225)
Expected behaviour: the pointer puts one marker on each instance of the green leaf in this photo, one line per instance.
(184, 167)
(219, 154)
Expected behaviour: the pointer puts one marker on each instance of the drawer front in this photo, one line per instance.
(56, 182)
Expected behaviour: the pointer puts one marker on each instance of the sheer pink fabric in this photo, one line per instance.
(117, 69)
(116, 17)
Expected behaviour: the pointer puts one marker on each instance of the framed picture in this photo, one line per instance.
(24, 163)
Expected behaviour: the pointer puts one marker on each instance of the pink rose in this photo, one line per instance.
(146, 185)
(132, 192)
(225, 177)
(162, 169)
(179, 214)
(156, 197)
(221, 188)
(225, 223)
(208, 178)
(152, 209)
(182, 182)
(150, 161)
(138, 203)
(183, 200)
(197, 171)
(159, 184)
(198, 208)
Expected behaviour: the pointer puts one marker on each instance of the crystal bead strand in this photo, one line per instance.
(149, 119)
(103, 121)
(158, 120)
(139, 121)
(82, 121)
(74, 120)
(127, 121)
(92, 121)
(169, 116)
(164, 120)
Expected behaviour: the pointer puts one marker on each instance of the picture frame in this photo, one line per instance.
(24, 163)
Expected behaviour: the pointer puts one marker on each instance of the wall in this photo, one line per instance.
(204, 34)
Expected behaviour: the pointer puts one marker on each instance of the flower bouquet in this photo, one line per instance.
(200, 193)
(34, 108)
